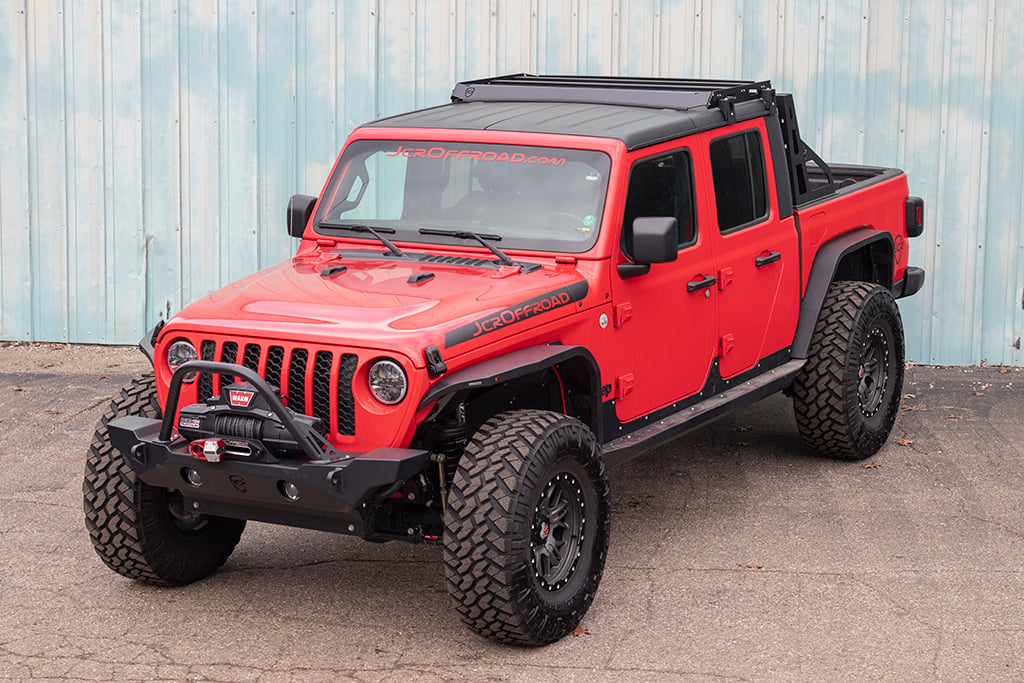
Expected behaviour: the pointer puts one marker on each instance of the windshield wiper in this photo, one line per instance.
(480, 237)
(376, 232)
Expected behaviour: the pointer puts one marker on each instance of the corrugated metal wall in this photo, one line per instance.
(148, 147)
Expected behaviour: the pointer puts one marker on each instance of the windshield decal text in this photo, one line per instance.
(513, 314)
(489, 155)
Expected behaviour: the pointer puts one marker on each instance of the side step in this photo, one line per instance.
(686, 420)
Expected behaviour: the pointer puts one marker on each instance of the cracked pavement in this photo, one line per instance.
(735, 554)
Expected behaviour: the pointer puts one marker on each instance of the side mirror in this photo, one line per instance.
(300, 209)
(654, 240)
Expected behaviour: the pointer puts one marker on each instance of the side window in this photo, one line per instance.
(737, 168)
(662, 186)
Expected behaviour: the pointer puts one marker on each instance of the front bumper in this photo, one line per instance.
(335, 489)
(333, 495)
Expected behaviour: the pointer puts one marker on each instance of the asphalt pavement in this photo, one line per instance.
(736, 554)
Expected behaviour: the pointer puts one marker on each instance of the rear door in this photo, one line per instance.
(756, 254)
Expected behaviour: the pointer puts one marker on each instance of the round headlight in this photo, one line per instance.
(387, 382)
(179, 353)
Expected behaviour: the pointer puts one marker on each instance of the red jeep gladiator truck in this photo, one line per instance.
(492, 300)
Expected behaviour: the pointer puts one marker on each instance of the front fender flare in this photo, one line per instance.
(518, 364)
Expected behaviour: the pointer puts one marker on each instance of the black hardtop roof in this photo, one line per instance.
(638, 111)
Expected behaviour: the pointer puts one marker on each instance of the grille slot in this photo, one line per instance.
(251, 359)
(322, 387)
(205, 388)
(297, 380)
(346, 402)
(275, 357)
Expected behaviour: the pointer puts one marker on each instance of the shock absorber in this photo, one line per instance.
(450, 441)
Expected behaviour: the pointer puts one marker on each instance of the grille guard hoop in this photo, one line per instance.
(314, 446)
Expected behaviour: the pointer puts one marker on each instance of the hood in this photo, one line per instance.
(383, 303)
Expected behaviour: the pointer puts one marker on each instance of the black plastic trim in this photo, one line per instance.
(911, 283)
(823, 272)
(780, 165)
(300, 209)
(717, 397)
(148, 342)
(915, 228)
(517, 364)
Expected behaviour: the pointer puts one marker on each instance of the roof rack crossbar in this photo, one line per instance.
(661, 93)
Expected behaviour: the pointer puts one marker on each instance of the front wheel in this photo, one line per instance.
(142, 531)
(848, 393)
(526, 530)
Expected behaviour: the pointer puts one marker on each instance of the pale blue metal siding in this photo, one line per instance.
(148, 147)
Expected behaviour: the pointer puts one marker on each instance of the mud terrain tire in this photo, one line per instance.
(847, 395)
(527, 525)
(138, 530)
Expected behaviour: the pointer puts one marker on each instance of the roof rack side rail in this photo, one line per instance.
(661, 93)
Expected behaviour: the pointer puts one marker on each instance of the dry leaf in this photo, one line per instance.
(905, 442)
(750, 565)
(1003, 371)
(19, 388)
(99, 377)
(580, 631)
(744, 443)
(954, 417)
(909, 396)
(912, 409)
(44, 364)
(53, 411)
(743, 429)
(872, 465)
(979, 393)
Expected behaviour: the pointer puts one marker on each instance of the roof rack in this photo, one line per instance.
(658, 93)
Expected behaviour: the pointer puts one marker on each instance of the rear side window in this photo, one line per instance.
(659, 187)
(737, 168)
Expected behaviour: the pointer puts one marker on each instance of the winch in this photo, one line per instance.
(243, 419)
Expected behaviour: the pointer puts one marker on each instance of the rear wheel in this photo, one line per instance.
(848, 393)
(526, 530)
(142, 531)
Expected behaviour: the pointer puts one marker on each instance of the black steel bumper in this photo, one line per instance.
(332, 494)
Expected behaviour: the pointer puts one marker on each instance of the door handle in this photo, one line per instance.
(694, 285)
(771, 257)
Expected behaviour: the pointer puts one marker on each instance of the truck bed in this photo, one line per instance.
(864, 197)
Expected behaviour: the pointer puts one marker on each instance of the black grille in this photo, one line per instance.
(297, 380)
(205, 388)
(346, 402)
(322, 387)
(324, 380)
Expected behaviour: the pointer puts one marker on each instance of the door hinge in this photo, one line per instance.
(724, 278)
(624, 386)
(726, 344)
(623, 313)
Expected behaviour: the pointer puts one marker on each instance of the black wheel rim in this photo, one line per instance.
(556, 538)
(873, 373)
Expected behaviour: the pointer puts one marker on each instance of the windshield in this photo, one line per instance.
(536, 198)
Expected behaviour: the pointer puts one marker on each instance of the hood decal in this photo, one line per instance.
(562, 296)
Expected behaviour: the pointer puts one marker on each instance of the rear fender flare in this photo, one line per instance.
(874, 244)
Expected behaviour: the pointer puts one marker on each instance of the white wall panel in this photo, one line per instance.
(148, 147)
